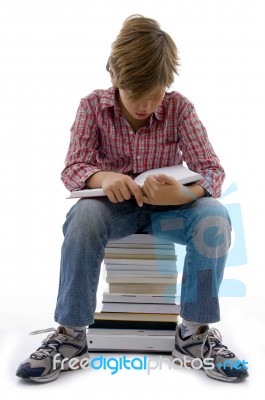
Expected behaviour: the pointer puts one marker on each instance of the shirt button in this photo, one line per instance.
(138, 157)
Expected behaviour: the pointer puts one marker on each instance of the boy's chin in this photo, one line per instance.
(141, 116)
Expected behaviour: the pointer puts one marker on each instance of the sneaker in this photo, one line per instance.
(207, 344)
(54, 355)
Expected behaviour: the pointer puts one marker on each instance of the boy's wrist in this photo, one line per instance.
(95, 180)
(192, 192)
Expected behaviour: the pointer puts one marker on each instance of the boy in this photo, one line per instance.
(118, 133)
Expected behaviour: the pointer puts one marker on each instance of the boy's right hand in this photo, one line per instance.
(118, 187)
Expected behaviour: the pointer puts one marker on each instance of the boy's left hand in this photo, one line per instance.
(163, 190)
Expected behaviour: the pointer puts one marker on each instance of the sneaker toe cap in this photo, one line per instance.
(25, 371)
(238, 375)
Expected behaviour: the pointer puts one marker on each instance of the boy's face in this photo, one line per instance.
(144, 106)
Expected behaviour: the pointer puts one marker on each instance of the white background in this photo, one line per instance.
(53, 52)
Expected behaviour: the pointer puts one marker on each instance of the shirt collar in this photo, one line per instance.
(159, 114)
(109, 100)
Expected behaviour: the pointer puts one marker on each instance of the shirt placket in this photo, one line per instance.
(138, 150)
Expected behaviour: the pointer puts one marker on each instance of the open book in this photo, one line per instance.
(182, 174)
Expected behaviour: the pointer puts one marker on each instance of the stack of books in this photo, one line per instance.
(140, 309)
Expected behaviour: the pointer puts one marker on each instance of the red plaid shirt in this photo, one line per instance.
(102, 139)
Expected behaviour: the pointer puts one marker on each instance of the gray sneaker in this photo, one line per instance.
(54, 355)
(205, 350)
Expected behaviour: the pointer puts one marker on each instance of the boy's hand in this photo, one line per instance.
(163, 190)
(120, 187)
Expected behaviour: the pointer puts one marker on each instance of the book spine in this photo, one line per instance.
(142, 274)
(133, 253)
(139, 268)
(142, 299)
(131, 261)
(128, 256)
(141, 280)
(141, 308)
(143, 288)
(145, 325)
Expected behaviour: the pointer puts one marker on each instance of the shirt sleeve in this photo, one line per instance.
(80, 162)
(199, 154)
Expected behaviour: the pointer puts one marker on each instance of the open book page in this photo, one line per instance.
(182, 174)
(179, 172)
(99, 192)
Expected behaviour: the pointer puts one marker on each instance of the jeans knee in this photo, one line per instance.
(82, 218)
(212, 229)
(207, 206)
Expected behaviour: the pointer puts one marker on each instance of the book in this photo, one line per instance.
(132, 261)
(140, 239)
(134, 246)
(131, 253)
(144, 274)
(118, 256)
(141, 308)
(143, 288)
(169, 317)
(181, 173)
(142, 285)
(138, 268)
(130, 343)
(143, 332)
(141, 279)
(125, 324)
(139, 298)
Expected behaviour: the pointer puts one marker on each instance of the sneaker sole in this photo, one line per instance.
(47, 378)
(230, 379)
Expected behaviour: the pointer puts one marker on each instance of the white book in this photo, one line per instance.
(138, 332)
(182, 174)
(143, 288)
(151, 247)
(141, 308)
(139, 274)
(132, 261)
(155, 257)
(133, 279)
(143, 343)
(139, 268)
(137, 251)
(140, 298)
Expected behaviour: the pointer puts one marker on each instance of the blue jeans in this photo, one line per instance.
(203, 226)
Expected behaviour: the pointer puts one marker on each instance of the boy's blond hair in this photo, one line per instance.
(143, 57)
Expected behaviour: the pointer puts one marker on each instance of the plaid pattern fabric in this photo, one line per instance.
(102, 139)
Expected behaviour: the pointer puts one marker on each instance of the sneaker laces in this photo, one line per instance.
(214, 340)
(50, 343)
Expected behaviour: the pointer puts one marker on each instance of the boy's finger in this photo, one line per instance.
(148, 187)
(162, 178)
(111, 197)
(126, 193)
(137, 192)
